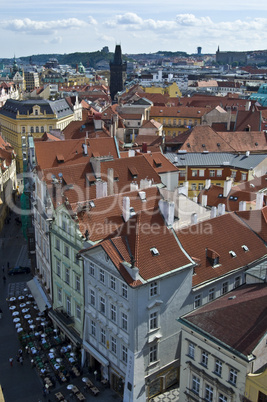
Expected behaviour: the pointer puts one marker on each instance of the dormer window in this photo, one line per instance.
(212, 257)
(133, 172)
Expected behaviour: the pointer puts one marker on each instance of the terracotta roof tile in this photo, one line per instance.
(221, 234)
(160, 163)
(239, 322)
(180, 111)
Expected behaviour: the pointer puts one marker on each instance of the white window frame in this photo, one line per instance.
(92, 268)
(124, 290)
(191, 350)
(102, 305)
(124, 321)
(153, 353)
(197, 301)
(113, 283)
(195, 384)
(92, 297)
(153, 320)
(67, 275)
(101, 275)
(113, 312)
(232, 376)
(103, 337)
(153, 289)
(93, 329)
(204, 358)
(124, 354)
(113, 345)
(218, 367)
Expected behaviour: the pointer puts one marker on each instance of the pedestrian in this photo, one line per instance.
(4, 279)
(20, 352)
(8, 265)
(1, 313)
(3, 268)
(11, 361)
(21, 360)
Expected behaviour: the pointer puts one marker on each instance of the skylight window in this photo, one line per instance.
(92, 204)
(154, 251)
(220, 195)
(232, 254)
(245, 248)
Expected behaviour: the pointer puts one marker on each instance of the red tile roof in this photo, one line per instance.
(137, 237)
(72, 151)
(221, 234)
(238, 319)
(177, 112)
(160, 163)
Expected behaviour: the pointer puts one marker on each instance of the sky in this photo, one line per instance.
(140, 26)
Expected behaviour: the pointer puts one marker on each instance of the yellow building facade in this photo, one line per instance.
(19, 119)
(171, 90)
(256, 386)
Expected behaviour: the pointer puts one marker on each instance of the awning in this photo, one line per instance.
(38, 294)
(68, 331)
(95, 354)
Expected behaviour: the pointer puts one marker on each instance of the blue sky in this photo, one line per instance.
(140, 26)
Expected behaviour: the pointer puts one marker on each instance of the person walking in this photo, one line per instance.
(21, 360)
(11, 361)
(1, 313)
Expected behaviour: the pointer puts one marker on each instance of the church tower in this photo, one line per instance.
(117, 73)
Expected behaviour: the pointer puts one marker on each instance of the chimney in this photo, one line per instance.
(194, 219)
(207, 184)
(126, 208)
(227, 187)
(248, 105)
(133, 187)
(85, 151)
(247, 153)
(195, 199)
(144, 147)
(131, 153)
(259, 200)
(204, 200)
(167, 210)
(110, 181)
(213, 212)
(221, 209)
(145, 183)
(242, 206)
(101, 189)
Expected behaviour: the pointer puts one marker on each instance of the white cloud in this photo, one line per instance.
(29, 26)
(134, 22)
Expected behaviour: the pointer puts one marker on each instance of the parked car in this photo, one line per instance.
(19, 270)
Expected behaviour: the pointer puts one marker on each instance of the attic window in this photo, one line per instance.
(157, 162)
(218, 144)
(132, 212)
(220, 195)
(203, 145)
(212, 256)
(256, 144)
(232, 254)
(245, 248)
(92, 204)
(154, 251)
(60, 158)
(188, 145)
(133, 171)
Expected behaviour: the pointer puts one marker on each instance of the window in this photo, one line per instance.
(58, 268)
(200, 186)
(113, 282)
(92, 269)
(102, 305)
(92, 297)
(219, 172)
(211, 294)
(124, 321)
(67, 276)
(124, 289)
(113, 313)
(103, 336)
(212, 173)
(195, 384)
(37, 129)
(42, 129)
(153, 320)
(68, 303)
(36, 112)
(208, 393)
(197, 302)
(77, 283)
(233, 174)
(64, 226)
(67, 251)
(32, 129)
(194, 173)
(113, 345)
(124, 354)
(191, 350)
(58, 244)
(193, 186)
(78, 311)
(204, 358)
(59, 295)
(222, 398)
(218, 367)
(243, 176)
(23, 130)
(224, 288)
(153, 288)
(93, 329)
(237, 281)
(153, 353)
(102, 275)
(233, 376)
